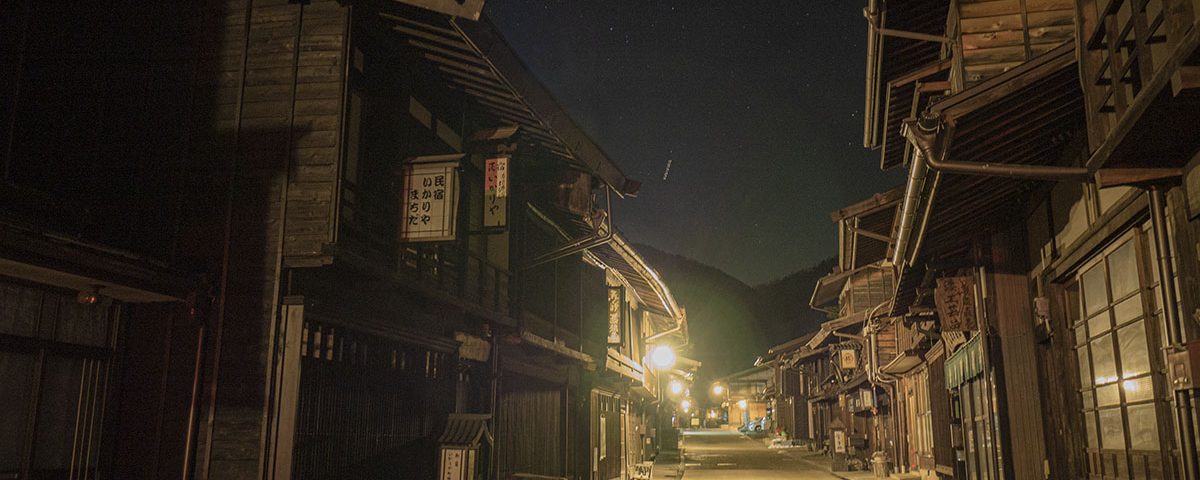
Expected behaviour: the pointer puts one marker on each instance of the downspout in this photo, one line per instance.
(875, 376)
(605, 234)
(925, 134)
(869, 112)
(1184, 399)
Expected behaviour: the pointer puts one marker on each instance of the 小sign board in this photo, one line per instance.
(495, 192)
(955, 300)
(429, 202)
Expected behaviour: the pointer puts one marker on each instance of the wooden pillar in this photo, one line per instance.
(1020, 394)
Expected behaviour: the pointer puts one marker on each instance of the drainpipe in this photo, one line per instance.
(869, 112)
(1176, 334)
(887, 381)
(925, 134)
(604, 235)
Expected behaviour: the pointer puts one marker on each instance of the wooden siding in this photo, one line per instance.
(996, 35)
(1022, 399)
(268, 81)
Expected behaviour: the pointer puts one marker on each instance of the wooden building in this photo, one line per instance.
(1045, 245)
(208, 269)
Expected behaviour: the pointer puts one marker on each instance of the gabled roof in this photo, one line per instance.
(472, 57)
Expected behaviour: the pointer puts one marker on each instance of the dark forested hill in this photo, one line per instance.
(730, 322)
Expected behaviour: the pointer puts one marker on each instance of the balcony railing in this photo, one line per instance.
(458, 272)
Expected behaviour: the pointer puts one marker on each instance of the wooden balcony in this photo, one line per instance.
(457, 272)
(1132, 51)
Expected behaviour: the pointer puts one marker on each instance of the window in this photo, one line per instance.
(1114, 348)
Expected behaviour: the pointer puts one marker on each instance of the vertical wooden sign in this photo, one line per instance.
(955, 300)
(495, 192)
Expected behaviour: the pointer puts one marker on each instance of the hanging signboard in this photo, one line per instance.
(955, 299)
(848, 359)
(495, 192)
(459, 8)
(429, 202)
(616, 306)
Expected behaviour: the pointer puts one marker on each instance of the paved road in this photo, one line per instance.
(728, 455)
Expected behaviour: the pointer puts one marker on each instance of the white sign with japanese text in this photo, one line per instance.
(429, 204)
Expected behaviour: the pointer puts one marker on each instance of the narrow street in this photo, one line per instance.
(727, 454)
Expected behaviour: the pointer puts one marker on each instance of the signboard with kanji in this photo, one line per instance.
(955, 300)
(616, 308)
(495, 192)
(848, 359)
(429, 202)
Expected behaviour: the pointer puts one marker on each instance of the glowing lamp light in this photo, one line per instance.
(718, 389)
(687, 405)
(742, 404)
(662, 357)
(676, 387)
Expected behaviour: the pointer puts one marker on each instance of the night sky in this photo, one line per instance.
(756, 105)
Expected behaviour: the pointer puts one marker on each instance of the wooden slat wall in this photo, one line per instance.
(996, 35)
(269, 82)
(1022, 397)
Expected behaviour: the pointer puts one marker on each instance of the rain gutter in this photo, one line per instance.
(873, 45)
(604, 234)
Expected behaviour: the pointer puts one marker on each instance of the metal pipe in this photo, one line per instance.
(924, 134)
(869, 112)
(908, 210)
(582, 244)
(1176, 334)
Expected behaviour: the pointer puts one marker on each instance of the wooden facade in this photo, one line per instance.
(202, 275)
(1023, 372)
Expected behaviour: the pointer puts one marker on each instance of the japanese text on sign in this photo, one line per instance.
(430, 201)
(955, 300)
(495, 192)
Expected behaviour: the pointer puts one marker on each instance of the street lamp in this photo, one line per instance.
(718, 389)
(742, 404)
(662, 357)
(676, 387)
(686, 405)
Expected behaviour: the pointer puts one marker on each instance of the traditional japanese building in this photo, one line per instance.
(1044, 246)
(289, 240)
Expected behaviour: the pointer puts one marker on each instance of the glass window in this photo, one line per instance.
(1095, 295)
(1138, 389)
(1143, 427)
(1099, 324)
(1104, 365)
(1135, 356)
(1112, 429)
(1122, 265)
(1116, 376)
(1108, 395)
(1128, 309)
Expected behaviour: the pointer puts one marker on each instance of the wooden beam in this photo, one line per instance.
(922, 72)
(1116, 177)
(934, 87)
(1186, 77)
(873, 235)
